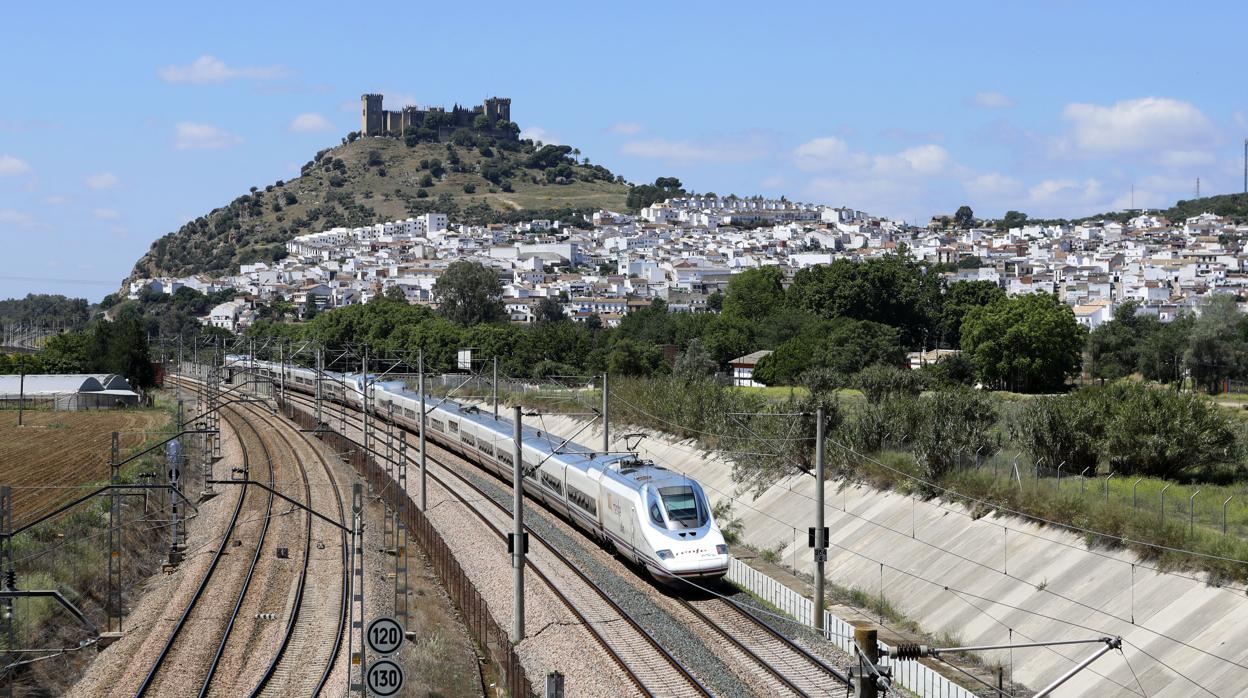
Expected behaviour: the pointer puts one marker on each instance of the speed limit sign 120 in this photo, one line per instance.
(384, 635)
(384, 678)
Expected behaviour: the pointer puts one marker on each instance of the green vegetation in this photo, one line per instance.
(1030, 342)
(476, 178)
(45, 310)
(102, 347)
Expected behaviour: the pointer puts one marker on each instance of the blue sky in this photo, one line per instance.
(119, 123)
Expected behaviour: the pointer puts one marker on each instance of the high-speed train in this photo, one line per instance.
(658, 518)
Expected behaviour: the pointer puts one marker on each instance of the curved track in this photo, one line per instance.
(652, 669)
(174, 641)
(304, 636)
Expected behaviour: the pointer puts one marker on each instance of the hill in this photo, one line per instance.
(1232, 206)
(475, 178)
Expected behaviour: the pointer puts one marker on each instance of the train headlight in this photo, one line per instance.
(665, 554)
(721, 549)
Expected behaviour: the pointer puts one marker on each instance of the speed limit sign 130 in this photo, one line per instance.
(384, 635)
(384, 678)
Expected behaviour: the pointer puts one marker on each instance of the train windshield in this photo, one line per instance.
(684, 508)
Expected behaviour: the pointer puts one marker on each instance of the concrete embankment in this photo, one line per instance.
(990, 580)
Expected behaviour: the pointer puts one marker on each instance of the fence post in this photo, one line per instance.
(1228, 499)
(1111, 474)
(1191, 514)
(1162, 505)
(1133, 486)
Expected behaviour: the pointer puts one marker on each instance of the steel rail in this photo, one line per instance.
(199, 590)
(670, 659)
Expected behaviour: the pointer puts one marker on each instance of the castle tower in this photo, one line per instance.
(498, 108)
(372, 116)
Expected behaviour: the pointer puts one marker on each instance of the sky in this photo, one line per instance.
(118, 123)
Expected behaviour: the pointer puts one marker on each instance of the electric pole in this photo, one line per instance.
(606, 416)
(821, 543)
(518, 541)
(495, 388)
(420, 386)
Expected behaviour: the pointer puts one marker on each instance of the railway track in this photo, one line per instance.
(649, 666)
(314, 610)
(170, 654)
(794, 669)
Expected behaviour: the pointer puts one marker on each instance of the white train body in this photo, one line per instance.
(658, 518)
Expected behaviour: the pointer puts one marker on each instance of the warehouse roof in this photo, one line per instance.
(50, 384)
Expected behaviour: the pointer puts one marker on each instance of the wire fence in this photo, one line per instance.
(1189, 510)
(911, 674)
(481, 624)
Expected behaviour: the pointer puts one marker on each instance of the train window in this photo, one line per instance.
(410, 414)
(505, 457)
(437, 425)
(582, 500)
(485, 448)
(530, 470)
(683, 507)
(468, 439)
(454, 426)
(655, 515)
(552, 483)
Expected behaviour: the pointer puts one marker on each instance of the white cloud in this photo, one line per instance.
(192, 136)
(625, 128)
(826, 153)
(993, 184)
(18, 219)
(1150, 124)
(1187, 158)
(990, 100)
(718, 149)
(830, 153)
(103, 180)
(208, 69)
(56, 200)
(10, 166)
(537, 133)
(310, 123)
(1064, 192)
(106, 214)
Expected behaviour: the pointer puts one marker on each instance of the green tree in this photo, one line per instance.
(469, 293)
(715, 301)
(1161, 352)
(395, 294)
(630, 358)
(892, 290)
(1114, 347)
(1216, 349)
(1027, 343)
(1012, 219)
(309, 307)
(755, 294)
(843, 346)
(694, 364)
(879, 383)
(958, 299)
(965, 217)
(549, 309)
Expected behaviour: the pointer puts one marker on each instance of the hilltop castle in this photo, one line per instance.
(376, 121)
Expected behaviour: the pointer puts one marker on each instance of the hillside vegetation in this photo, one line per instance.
(474, 177)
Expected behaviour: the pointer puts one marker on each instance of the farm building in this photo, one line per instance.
(78, 391)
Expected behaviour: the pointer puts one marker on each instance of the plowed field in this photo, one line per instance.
(50, 457)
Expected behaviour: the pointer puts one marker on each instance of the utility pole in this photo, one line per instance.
(21, 391)
(606, 416)
(821, 543)
(1198, 187)
(364, 413)
(495, 388)
(114, 537)
(400, 532)
(1246, 165)
(517, 541)
(866, 640)
(320, 369)
(420, 386)
(8, 578)
(356, 625)
(281, 379)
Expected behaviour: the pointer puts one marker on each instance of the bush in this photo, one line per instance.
(954, 424)
(422, 194)
(470, 188)
(878, 383)
(1066, 428)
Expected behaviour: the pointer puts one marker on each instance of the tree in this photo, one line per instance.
(694, 364)
(892, 290)
(469, 293)
(959, 298)
(1161, 352)
(481, 123)
(715, 301)
(965, 217)
(879, 383)
(1012, 219)
(630, 358)
(1216, 350)
(1114, 347)
(309, 307)
(1027, 343)
(395, 294)
(843, 346)
(549, 309)
(755, 294)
